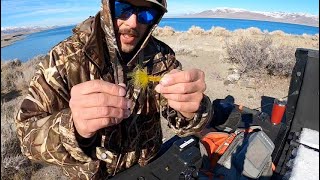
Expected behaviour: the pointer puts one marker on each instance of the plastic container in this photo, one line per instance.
(278, 109)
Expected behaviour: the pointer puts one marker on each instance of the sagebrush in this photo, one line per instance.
(260, 56)
(15, 77)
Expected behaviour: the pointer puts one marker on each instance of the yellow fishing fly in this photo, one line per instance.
(140, 78)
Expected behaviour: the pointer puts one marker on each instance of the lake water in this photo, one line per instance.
(41, 42)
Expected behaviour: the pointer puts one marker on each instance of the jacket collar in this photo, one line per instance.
(94, 48)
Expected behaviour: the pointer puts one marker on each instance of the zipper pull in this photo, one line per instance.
(117, 165)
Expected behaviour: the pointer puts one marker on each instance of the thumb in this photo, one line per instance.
(173, 71)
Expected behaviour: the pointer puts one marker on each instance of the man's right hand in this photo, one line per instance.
(97, 104)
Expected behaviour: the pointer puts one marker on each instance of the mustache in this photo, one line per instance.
(129, 31)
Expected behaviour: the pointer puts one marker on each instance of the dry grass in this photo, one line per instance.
(165, 31)
(14, 165)
(195, 30)
(15, 77)
(278, 33)
(254, 31)
(219, 31)
(240, 32)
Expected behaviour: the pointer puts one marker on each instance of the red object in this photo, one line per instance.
(278, 110)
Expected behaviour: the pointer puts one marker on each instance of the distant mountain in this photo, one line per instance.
(234, 13)
(24, 29)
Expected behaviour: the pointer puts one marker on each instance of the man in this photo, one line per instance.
(82, 112)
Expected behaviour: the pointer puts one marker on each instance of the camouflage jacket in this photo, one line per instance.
(44, 122)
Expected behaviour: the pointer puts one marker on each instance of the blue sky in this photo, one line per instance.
(64, 12)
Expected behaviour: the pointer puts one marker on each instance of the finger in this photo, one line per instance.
(123, 85)
(188, 107)
(181, 88)
(96, 86)
(100, 99)
(94, 125)
(194, 97)
(182, 77)
(100, 112)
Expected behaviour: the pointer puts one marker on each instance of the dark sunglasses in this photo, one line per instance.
(123, 10)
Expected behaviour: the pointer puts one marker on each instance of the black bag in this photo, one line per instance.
(302, 108)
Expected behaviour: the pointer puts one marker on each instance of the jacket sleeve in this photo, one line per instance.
(44, 122)
(176, 121)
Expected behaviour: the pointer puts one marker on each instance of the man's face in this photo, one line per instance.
(129, 30)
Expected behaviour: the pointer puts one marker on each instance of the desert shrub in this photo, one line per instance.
(34, 62)
(315, 37)
(250, 54)
(185, 51)
(260, 56)
(16, 75)
(195, 30)
(278, 33)
(280, 61)
(265, 31)
(219, 31)
(12, 64)
(10, 72)
(165, 31)
(239, 32)
(14, 165)
(306, 36)
(254, 31)
(29, 69)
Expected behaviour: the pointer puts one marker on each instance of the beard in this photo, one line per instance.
(128, 39)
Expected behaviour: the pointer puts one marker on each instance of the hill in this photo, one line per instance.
(235, 13)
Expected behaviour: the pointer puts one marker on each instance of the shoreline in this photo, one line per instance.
(9, 39)
(316, 25)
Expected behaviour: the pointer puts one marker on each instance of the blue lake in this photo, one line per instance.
(41, 42)
(183, 24)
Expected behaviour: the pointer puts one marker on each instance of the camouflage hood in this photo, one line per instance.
(110, 37)
(161, 3)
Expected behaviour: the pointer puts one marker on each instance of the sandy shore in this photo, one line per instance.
(9, 39)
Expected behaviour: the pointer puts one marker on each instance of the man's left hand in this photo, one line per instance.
(183, 90)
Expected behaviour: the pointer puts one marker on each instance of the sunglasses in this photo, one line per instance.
(145, 15)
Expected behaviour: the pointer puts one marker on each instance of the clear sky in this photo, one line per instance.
(64, 12)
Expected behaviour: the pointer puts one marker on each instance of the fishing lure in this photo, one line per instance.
(141, 79)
